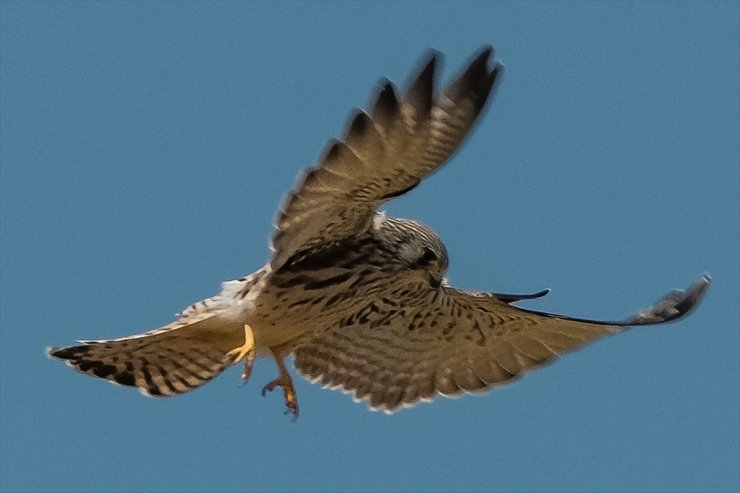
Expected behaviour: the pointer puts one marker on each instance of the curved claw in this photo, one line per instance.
(286, 383)
(291, 402)
(269, 387)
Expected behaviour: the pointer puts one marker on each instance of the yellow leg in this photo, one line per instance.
(245, 352)
(285, 382)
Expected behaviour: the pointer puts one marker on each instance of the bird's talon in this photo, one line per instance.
(248, 363)
(292, 409)
(244, 352)
(269, 387)
(246, 349)
(286, 384)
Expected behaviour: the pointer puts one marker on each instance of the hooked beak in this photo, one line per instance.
(435, 281)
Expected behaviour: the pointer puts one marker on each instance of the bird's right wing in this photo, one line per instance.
(447, 342)
(383, 154)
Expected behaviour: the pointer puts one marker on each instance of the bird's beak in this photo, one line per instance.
(435, 281)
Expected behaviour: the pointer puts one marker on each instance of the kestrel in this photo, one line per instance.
(359, 298)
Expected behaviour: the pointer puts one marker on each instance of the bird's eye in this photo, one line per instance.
(428, 256)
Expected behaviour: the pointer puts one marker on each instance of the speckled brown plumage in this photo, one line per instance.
(359, 298)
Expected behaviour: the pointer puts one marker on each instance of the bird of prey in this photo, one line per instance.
(357, 297)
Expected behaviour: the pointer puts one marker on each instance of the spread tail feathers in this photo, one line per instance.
(163, 362)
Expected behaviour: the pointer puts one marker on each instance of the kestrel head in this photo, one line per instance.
(417, 246)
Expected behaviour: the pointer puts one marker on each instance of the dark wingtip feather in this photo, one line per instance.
(421, 84)
(426, 68)
(481, 57)
(331, 150)
(67, 353)
(359, 121)
(512, 298)
(674, 305)
(385, 105)
(694, 294)
(477, 79)
(478, 75)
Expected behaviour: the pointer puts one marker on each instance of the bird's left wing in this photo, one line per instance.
(383, 154)
(449, 342)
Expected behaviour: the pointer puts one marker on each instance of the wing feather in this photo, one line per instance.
(383, 153)
(473, 341)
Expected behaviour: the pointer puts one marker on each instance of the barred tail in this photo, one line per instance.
(162, 362)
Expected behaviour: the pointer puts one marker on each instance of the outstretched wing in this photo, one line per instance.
(449, 341)
(383, 154)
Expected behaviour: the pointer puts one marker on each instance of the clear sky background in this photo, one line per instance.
(146, 147)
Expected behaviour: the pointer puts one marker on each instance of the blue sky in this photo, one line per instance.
(145, 148)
